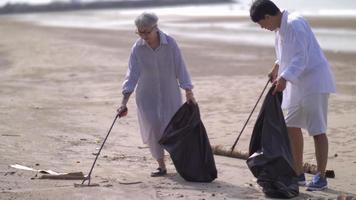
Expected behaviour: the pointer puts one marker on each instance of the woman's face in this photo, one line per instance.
(149, 34)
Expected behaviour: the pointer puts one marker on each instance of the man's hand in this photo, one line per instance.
(273, 73)
(280, 85)
(122, 111)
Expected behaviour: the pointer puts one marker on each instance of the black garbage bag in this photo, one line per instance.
(271, 160)
(186, 141)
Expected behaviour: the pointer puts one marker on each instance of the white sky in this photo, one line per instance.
(3, 2)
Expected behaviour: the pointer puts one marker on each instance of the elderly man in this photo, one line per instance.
(157, 67)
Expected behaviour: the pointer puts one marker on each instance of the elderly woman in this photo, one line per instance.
(157, 67)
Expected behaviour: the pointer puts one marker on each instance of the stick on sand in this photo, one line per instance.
(223, 151)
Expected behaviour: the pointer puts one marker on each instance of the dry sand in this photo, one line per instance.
(59, 89)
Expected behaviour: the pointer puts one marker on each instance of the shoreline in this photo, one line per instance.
(22, 8)
(333, 33)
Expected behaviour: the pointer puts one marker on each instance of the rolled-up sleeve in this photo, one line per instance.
(182, 73)
(132, 74)
(298, 53)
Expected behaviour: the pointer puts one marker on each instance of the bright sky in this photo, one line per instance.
(3, 2)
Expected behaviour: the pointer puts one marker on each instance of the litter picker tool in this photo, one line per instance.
(243, 128)
(88, 178)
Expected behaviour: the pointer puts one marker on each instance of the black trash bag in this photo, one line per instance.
(271, 160)
(186, 141)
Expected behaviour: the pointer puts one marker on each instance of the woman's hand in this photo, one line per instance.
(122, 111)
(190, 97)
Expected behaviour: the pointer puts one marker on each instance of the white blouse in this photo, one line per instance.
(301, 61)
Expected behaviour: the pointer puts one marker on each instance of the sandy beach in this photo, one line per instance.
(59, 89)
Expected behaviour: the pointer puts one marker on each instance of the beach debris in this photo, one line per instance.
(65, 176)
(49, 174)
(86, 185)
(313, 169)
(9, 173)
(22, 167)
(108, 185)
(10, 135)
(346, 197)
(129, 182)
(125, 181)
(223, 151)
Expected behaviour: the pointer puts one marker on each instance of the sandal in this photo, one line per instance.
(158, 172)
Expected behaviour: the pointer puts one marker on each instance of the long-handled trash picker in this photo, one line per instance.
(88, 178)
(229, 152)
(243, 128)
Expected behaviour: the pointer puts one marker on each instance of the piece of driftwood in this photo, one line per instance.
(224, 151)
(129, 183)
(86, 185)
(66, 176)
(346, 197)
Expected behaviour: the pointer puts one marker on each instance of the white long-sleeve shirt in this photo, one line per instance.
(158, 74)
(301, 60)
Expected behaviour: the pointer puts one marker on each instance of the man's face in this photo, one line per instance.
(268, 23)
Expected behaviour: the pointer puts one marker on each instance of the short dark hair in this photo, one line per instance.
(260, 8)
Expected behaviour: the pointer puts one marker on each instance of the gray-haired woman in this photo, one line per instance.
(157, 67)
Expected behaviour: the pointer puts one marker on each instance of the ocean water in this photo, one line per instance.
(307, 6)
(330, 38)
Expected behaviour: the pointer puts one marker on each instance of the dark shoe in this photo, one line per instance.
(158, 172)
(317, 183)
(301, 180)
